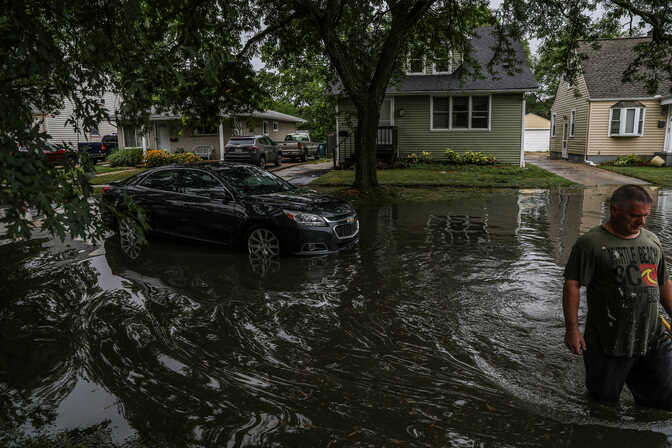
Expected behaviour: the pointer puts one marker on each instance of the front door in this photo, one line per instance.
(564, 140)
(668, 133)
(163, 138)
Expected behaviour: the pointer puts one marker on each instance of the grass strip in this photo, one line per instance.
(463, 176)
(120, 175)
(661, 176)
(110, 169)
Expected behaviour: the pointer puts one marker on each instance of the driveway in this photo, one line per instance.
(305, 173)
(580, 173)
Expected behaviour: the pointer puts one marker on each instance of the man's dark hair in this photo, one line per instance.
(630, 193)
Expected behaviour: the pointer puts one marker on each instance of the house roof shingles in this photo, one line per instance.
(604, 66)
(483, 44)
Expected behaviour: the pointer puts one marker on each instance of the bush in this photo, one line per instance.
(158, 157)
(451, 156)
(426, 156)
(629, 160)
(412, 158)
(478, 158)
(125, 157)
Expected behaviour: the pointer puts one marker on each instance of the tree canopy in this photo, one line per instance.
(194, 58)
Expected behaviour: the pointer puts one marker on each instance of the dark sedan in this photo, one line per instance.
(236, 205)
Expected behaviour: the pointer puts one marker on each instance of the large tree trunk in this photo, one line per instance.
(366, 177)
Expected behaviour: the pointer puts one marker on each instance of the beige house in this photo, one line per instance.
(537, 132)
(166, 132)
(601, 117)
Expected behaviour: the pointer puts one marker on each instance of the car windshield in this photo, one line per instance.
(241, 141)
(250, 180)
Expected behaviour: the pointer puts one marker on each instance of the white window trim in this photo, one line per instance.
(451, 66)
(276, 127)
(572, 122)
(622, 121)
(265, 127)
(554, 120)
(450, 115)
(391, 98)
(408, 66)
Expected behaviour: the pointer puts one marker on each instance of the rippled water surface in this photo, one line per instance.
(443, 328)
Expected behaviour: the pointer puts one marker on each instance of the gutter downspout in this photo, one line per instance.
(337, 160)
(221, 140)
(522, 136)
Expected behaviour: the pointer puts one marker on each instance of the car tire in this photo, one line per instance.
(262, 241)
(129, 238)
(262, 162)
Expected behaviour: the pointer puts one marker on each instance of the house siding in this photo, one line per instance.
(414, 134)
(60, 132)
(187, 140)
(600, 144)
(565, 102)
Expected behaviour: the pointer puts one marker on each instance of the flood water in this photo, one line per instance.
(442, 328)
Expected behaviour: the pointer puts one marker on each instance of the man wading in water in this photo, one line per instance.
(623, 268)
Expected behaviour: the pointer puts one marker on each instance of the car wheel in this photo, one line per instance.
(129, 238)
(262, 162)
(262, 241)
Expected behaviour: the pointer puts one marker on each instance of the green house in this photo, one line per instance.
(432, 109)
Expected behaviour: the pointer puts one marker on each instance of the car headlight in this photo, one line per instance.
(306, 219)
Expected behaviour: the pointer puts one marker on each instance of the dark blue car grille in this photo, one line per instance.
(346, 230)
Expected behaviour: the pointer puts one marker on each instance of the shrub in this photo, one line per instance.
(156, 157)
(412, 158)
(426, 156)
(629, 160)
(125, 157)
(185, 157)
(478, 158)
(451, 156)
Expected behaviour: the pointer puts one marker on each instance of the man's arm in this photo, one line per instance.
(666, 296)
(570, 307)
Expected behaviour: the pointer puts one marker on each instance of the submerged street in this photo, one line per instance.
(443, 327)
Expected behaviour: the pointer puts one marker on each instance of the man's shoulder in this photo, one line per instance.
(594, 235)
(650, 236)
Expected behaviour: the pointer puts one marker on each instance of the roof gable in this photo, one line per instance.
(604, 66)
(483, 44)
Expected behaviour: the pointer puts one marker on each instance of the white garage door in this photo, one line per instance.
(537, 139)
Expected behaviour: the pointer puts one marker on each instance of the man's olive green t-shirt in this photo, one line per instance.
(622, 277)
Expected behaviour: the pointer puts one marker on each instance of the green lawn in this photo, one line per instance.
(119, 175)
(109, 169)
(469, 176)
(660, 176)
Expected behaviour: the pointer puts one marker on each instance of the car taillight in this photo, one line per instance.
(252, 148)
(104, 190)
(298, 145)
(103, 147)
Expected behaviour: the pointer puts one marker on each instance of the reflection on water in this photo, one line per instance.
(443, 328)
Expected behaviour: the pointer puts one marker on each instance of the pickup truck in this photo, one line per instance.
(99, 150)
(299, 146)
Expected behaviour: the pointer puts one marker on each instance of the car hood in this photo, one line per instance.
(303, 200)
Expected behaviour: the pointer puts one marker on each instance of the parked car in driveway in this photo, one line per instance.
(299, 146)
(257, 150)
(232, 204)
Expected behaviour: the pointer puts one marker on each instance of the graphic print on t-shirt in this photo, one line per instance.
(649, 274)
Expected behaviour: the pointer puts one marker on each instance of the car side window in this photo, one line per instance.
(163, 180)
(200, 183)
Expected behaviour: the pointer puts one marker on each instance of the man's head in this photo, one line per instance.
(630, 206)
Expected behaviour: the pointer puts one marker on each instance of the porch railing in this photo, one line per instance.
(386, 145)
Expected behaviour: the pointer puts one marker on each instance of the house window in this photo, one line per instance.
(210, 130)
(626, 121)
(276, 128)
(416, 63)
(265, 127)
(572, 118)
(94, 131)
(461, 112)
(386, 114)
(553, 120)
(441, 112)
(447, 64)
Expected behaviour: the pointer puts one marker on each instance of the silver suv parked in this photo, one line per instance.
(257, 150)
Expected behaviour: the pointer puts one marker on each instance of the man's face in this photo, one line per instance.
(628, 218)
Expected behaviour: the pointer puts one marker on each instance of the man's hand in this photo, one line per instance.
(574, 341)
